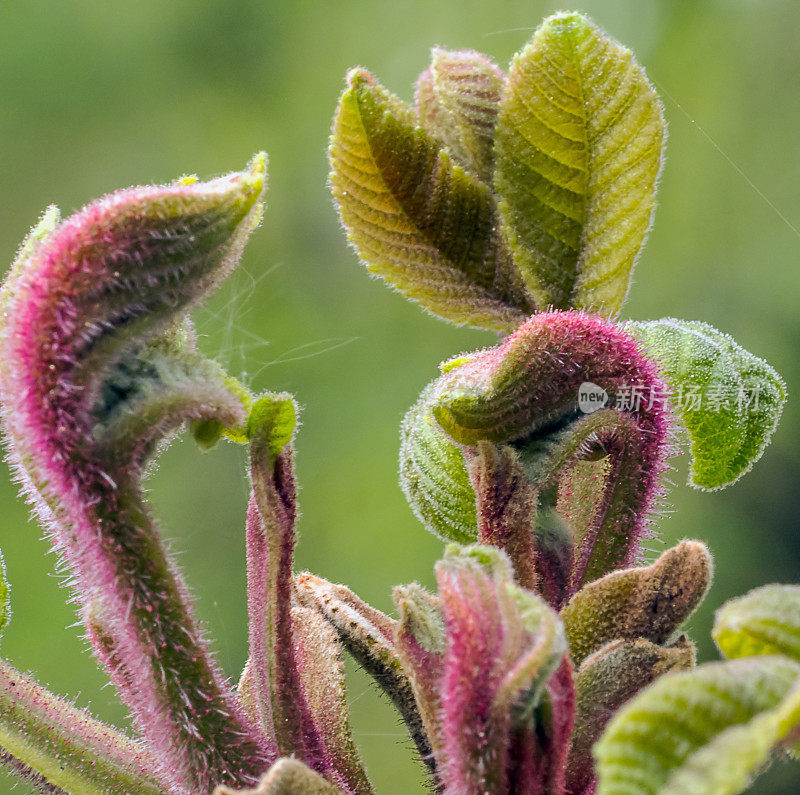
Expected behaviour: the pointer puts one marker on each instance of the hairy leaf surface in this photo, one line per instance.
(729, 400)
(578, 152)
(701, 732)
(457, 98)
(764, 621)
(415, 218)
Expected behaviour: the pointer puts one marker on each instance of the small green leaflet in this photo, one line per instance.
(729, 400)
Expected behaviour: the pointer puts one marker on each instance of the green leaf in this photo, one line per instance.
(764, 621)
(702, 732)
(434, 477)
(729, 400)
(578, 153)
(457, 98)
(5, 593)
(648, 602)
(415, 218)
(273, 415)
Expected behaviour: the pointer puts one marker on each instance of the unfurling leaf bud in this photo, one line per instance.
(506, 714)
(600, 471)
(499, 195)
(97, 367)
(457, 99)
(648, 602)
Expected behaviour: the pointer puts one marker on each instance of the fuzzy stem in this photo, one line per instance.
(61, 748)
(159, 661)
(279, 692)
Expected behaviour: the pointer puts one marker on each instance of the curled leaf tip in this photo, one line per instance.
(648, 602)
(273, 420)
(98, 367)
(599, 467)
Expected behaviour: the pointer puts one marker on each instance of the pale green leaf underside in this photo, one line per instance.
(578, 152)
(415, 218)
(700, 732)
(764, 621)
(729, 400)
(434, 478)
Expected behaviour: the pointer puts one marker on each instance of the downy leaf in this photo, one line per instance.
(578, 152)
(729, 400)
(648, 602)
(434, 477)
(415, 218)
(457, 98)
(763, 621)
(701, 732)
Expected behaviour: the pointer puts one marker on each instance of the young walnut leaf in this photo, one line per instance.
(702, 732)
(648, 602)
(415, 218)
(730, 400)
(457, 98)
(524, 394)
(763, 621)
(578, 152)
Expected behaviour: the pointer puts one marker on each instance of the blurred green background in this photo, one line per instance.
(99, 95)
